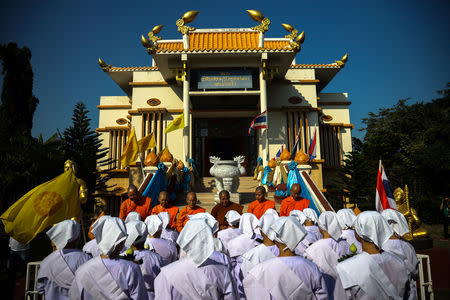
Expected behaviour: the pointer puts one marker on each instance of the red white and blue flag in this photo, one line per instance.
(384, 198)
(259, 122)
(297, 140)
(313, 146)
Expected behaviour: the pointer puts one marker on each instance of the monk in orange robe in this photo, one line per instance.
(295, 201)
(191, 209)
(135, 202)
(261, 204)
(164, 205)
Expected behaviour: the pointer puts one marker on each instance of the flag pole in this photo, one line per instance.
(142, 168)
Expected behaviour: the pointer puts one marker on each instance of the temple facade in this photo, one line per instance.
(220, 79)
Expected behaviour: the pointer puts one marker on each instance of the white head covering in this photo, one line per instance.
(233, 217)
(196, 240)
(372, 227)
(154, 224)
(135, 229)
(248, 225)
(109, 232)
(289, 231)
(328, 221)
(272, 212)
(210, 220)
(265, 222)
(396, 221)
(64, 232)
(346, 217)
(165, 218)
(133, 216)
(299, 215)
(311, 215)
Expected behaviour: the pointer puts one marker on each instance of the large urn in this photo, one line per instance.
(226, 174)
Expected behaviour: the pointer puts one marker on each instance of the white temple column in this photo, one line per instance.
(263, 104)
(186, 112)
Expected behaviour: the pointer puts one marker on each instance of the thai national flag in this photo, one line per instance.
(384, 198)
(297, 140)
(259, 122)
(279, 151)
(312, 146)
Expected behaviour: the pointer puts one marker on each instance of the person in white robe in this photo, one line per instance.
(311, 235)
(373, 274)
(91, 248)
(165, 248)
(400, 247)
(149, 261)
(195, 276)
(57, 270)
(224, 235)
(287, 276)
(346, 218)
(133, 216)
(266, 250)
(214, 224)
(326, 252)
(310, 222)
(167, 233)
(108, 276)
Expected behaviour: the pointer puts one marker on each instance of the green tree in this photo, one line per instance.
(82, 145)
(18, 102)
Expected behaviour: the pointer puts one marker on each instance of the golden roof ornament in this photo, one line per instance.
(103, 65)
(152, 34)
(259, 17)
(151, 48)
(296, 41)
(187, 18)
(341, 63)
(292, 30)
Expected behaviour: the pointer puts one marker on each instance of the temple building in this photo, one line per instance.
(221, 79)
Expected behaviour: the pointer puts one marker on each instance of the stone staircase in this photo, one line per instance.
(206, 189)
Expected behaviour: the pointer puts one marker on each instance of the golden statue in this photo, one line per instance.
(83, 191)
(402, 200)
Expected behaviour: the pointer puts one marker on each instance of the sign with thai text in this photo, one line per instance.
(230, 79)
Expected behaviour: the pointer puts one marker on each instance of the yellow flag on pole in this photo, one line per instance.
(131, 151)
(147, 142)
(178, 123)
(47, 204)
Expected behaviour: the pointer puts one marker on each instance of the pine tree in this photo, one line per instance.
(82, 145)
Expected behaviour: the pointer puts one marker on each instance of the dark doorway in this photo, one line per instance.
(225, 138)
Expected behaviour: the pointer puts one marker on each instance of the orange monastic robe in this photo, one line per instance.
(288, 204)
(142, 206)
(184, 213)
(259, 208)
(172, 210)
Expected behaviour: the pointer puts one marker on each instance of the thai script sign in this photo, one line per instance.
(230, 79)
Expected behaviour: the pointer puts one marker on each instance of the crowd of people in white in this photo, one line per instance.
(302, 256)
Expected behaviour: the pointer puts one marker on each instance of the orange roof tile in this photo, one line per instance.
(224, 41)
(124, 69)
(315, 66)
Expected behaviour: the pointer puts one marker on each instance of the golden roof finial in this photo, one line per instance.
(292, 30)
(188, 17)
(151, 48)
(341, 63)
(259, 17)
(152, 34)
(103, 65)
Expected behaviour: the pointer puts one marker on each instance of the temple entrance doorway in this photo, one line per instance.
(225, 138)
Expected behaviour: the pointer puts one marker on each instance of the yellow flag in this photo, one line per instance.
(47, 204)
(131, 151)
(178, 123)
(147, 142)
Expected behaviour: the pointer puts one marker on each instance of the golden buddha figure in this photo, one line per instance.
(83, 191)
(402, 200)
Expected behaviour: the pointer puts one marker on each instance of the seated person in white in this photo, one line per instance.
(149, 261)
(225, 235)
(107, 276)
(346, 218)
(195, 276)
(287, 276)
(326, 252)
(373, 274)
(57, 271)
(311, 235)
(165, 248)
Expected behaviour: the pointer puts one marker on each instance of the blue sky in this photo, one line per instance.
(397, 49)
